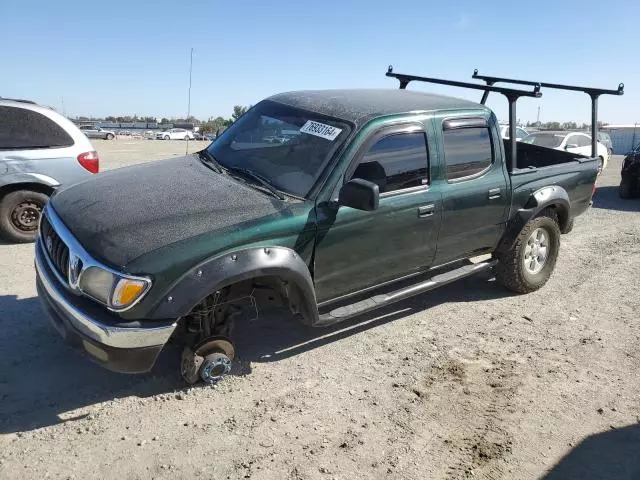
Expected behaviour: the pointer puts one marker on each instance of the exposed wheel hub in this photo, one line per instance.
(209, 360)
(214, 367)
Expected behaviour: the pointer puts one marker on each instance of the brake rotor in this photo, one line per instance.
(215, 353)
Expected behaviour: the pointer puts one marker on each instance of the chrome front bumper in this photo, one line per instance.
(118, 347)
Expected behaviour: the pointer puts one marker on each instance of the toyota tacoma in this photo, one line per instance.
(377, 196)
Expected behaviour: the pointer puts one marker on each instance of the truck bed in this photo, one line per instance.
(536, 156)
(540, 167)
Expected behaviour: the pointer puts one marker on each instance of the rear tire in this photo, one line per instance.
(529, 263)
(569, 227)
(20, 214)
(110, 136)
(625, 190)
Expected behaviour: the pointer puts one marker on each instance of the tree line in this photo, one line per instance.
(211, 125)
(562, 125)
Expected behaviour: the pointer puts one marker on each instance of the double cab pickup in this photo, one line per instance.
(374, 196)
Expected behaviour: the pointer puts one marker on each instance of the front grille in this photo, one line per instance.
(54, 247)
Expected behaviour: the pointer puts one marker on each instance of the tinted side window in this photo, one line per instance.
(395, 162)
(24, 129)
(467, 151)
(520, 133)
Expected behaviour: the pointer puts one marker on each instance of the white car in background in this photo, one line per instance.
(520, 132)
(574, 142)
(175, 134)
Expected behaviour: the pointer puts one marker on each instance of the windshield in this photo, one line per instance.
(287, 147)
(550, 140)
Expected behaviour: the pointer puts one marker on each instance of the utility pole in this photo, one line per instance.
(189, 95)
(538, 117)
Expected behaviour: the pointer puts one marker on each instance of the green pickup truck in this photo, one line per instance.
(374, 196)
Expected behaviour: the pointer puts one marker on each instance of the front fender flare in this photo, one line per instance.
(554, 197)
(216, 273)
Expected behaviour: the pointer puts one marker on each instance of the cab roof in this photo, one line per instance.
(358, 106)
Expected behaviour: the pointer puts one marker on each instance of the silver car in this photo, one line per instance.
(39, 151)
(93, 131)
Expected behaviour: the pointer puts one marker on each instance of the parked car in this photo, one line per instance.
(520, 132)
(605, 139)
(93, 131)
(175, 134)
(201, 136)
(382, 195)
(39, 151)
(630, 175)
(574, 142)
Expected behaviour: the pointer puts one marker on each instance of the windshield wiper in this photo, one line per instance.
(259, 178)
(210, 160)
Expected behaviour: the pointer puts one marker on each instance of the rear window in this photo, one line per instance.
(22, 129)
(467, 152)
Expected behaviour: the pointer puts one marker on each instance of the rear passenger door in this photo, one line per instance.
(474, 188)
(356, 249)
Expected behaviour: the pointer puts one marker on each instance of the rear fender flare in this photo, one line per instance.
(216, 273)
(554, 197)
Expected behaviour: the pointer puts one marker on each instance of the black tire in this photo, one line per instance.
(110, 136)
(167, 137)
(625, 190)
(20, 213)
(569, 227)
(511, 271)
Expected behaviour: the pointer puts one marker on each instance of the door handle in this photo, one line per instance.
(494, 193)
(426, 210)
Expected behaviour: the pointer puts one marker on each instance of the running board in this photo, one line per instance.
(343, 313)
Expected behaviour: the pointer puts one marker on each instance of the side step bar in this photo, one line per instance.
(348, 311)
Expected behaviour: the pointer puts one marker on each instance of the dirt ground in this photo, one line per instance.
(466, 381)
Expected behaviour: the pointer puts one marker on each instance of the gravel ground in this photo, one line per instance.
(468, 380)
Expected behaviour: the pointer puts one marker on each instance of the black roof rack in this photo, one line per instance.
(512, 95)
(594, 93)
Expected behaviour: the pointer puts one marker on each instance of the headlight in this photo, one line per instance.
(113, 290)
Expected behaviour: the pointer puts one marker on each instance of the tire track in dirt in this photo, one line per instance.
(480, 392)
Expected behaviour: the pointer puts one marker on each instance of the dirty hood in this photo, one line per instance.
(122, 214)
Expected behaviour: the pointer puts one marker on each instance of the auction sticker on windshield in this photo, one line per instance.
(320, 130)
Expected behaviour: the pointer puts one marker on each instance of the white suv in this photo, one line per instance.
(175, 134)
(39, 151)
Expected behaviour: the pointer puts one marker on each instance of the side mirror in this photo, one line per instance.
(570, 145)
(359, 194)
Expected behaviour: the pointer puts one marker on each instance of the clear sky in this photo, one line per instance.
(131, 57)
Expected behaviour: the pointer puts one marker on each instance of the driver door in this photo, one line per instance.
(356, 249)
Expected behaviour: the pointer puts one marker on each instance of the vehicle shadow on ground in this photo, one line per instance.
(42, 380)
(610, 454)
(607, 198)
(276, 337)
